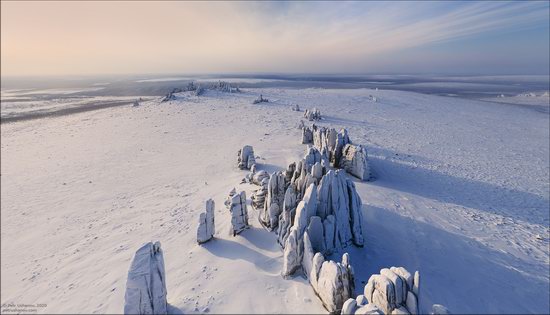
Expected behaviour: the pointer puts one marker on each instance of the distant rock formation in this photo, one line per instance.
(312, 114)
(246, 158)
(296, 108)
(239, 213)
(206, 228)
(260, 99)
(146, 283)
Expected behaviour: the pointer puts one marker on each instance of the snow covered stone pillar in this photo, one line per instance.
(146, 283)
(307, 135)
(239, 213)
(333, 283)
(269, 216)
(206, 228)
(354, 161)
(246, 158)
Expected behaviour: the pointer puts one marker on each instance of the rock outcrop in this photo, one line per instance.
(269, 215)
(246, 158)
(146, 283)
(239, 213)
(390, 292)
(206, 228)
(354, 161)
(312, 114)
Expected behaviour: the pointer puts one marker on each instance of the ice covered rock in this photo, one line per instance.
(260, 99)
(269, 216)
(227, 201)
(349, 307)
(411, 303)
(438, 309)
(317, 171)
(246, 157)
(292, 254)
(307, 135)
(287, 216)
(307, 256)
(361, 300)
(146, 283)
(206, 228)
(391, 291)
(397, 285)
(312, 114)
(368, 309)
(334, 284)
(313, 276)
(315, 231)
(239, 213)
(354, 161)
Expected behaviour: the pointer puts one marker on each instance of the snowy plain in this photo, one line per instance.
(461, 193)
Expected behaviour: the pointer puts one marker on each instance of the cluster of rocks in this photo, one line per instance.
(260, 178)
(246, 158)
(296, 108)
(206, 227)
(146, 283)
(260, 99)
(394, 291)
(312, 114)
(332, 281)
(337, 148)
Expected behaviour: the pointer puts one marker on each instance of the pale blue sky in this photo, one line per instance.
(487, 37)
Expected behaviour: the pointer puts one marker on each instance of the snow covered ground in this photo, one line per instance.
(461, 194)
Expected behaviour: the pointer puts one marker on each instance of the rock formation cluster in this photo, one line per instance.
(337, 148)
(312, 114)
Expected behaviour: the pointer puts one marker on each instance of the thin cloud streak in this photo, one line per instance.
(171, 37)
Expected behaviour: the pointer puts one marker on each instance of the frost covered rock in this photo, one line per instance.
(354, 161)
(334, 284)
(227, 201)
(296, 108)
(287, 216)
(269, 216)
(392, 291)
(349, 307)
(246, 158)
(206, 228)
(438, 309)
(307, 135)
(258, 197)
(315, 231)
(368, 309)
(239, 213)
(260, 99)
(146, 283)
(292, 254)
(312, 114)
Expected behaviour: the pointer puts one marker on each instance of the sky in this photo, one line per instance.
(140, 37)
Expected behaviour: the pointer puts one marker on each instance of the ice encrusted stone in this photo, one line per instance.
(206, 228)
(392, 291)
(292, 254)
(246, 157)
(269, 216)
(239, 213)
(227, 201)
(307, 135)
(146, 282)
(312, 114)
(334, 284)
(438, 309)
(354, 161)
(315, 231)
(287, 216)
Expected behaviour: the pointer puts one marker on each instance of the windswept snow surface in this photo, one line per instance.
(461, 194)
